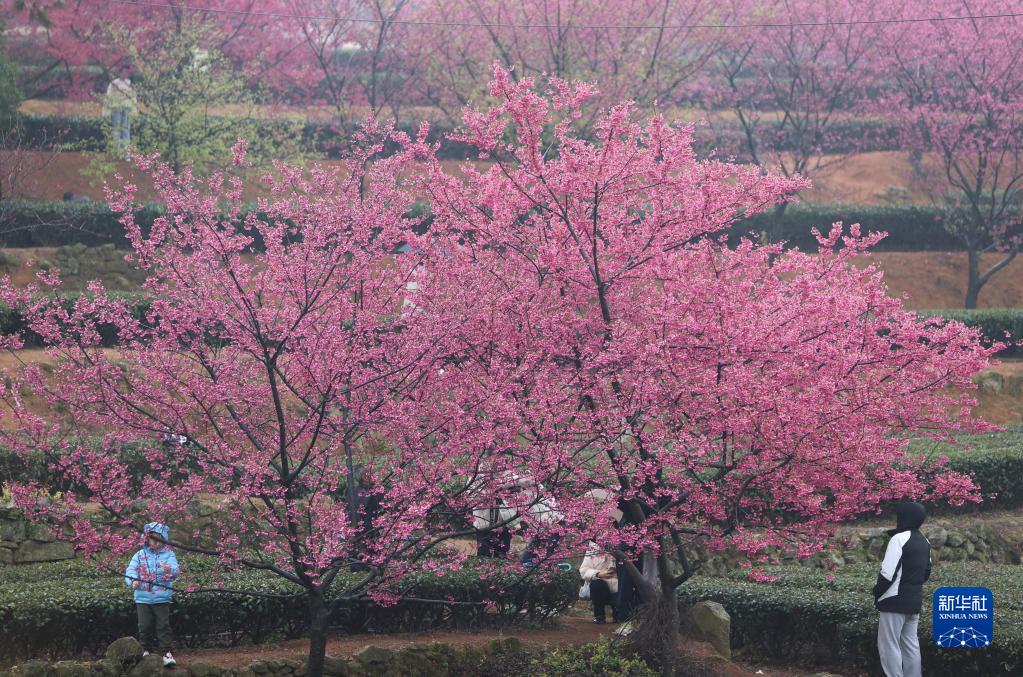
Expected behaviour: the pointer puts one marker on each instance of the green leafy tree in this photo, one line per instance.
(10, 94)
(192, 105)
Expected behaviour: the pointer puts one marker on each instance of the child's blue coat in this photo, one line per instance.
(154, 569)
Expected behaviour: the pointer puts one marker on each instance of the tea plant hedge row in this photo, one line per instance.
(39, 223)
(65, 609)
(810, 617)
(994, 460)
(90, 133)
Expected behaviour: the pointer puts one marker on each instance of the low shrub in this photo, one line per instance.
(70, 608)
(995, 324)
(13, 321)
(600, 659)
(814, 618)
(994, 460)
(909, 227)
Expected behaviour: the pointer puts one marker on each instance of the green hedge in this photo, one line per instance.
(55, 223)
(996, 324)
(52, 223)
(12, 319)
(65, 609)
(994, 460)
(909, 227)
(89, 133)
(807, 618)
(37, 223)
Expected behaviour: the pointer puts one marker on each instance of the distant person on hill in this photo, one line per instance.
(898, 593)
(151, 575)
(120, 104)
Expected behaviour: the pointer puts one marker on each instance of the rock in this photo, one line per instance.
(955, 539)
(876, 548)
(104, 668)
(204, 669)
(332, 667)
(150, 666)
(715, 625)
(374, 660)
(937, 535)
(124, 652)
(39, 532)
(37, 551)
(259, 667)
(32, 669)
(12, 528)
(71, 669)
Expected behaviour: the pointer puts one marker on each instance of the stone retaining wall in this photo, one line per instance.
(22, 542)
(972, 540)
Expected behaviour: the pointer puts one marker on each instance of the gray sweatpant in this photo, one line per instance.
(898, 644)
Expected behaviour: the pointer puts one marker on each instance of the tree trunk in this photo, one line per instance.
(973, 283)
(657, 638)
(319, 616)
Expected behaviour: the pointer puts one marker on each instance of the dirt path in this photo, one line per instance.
(571, 630)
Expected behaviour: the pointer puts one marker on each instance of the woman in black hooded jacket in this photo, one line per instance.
(898, 593)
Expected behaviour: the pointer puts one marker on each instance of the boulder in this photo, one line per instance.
(71, 669)
(32, 669)
(332, 666)
(104, 668)
(955, 539)
(43, 551)
(715, 625)
(374, 660)
(124, 652)
(149, 666)
(937, 535)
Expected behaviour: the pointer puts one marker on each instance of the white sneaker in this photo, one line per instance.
(168, 660)
(145, 653)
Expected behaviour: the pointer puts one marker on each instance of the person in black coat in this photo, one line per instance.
(898, 593)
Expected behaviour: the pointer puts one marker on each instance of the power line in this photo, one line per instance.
(457, 24)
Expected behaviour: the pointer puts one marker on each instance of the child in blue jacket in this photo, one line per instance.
(151, 575)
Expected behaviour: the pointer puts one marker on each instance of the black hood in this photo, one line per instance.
(908, 516)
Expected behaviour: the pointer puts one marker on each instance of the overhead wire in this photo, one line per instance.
(499, 24)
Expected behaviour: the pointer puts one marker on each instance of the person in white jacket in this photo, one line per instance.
(544, 514)
(599, 571)
(494, 529)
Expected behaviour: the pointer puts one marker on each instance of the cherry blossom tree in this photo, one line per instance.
(743, 397)
(791, 86)
(646, 50)
(957, 88)
(570, 335)
(355, 53)
(275, 381)
(76, 48)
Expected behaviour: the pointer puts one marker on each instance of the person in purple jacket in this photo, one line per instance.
(151, 575)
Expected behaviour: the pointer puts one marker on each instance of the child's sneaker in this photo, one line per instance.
(168, 660)
(145, 653)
